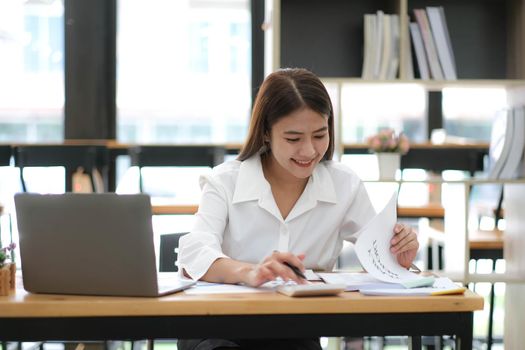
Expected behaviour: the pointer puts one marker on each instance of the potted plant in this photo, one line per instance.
(388, 147)
(7, 269)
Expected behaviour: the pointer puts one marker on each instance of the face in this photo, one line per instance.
(298, 142)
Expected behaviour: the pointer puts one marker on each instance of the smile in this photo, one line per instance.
(303, 163)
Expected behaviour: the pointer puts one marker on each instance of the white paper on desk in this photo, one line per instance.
(373, 247)
(441, 286)
(222, 288)
(352, 280)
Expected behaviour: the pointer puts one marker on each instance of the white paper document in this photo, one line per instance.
(221, 288)
(202, 287)
(373, 250)
(352, 280)
(441, 286)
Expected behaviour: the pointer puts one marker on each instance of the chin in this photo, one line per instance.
(303, 173)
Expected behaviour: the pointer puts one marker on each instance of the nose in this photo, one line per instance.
(307, 149)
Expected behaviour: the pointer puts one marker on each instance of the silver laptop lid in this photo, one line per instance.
(96, 244)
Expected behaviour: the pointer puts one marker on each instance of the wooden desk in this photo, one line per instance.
(429, 211)
(174, 209)
(432, 211)
(33, 317)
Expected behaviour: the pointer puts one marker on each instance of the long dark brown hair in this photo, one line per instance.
(282, 93)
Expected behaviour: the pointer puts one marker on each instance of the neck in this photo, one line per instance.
(278, 176)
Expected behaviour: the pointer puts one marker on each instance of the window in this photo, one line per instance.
(31, 67)
(470, 112)
(183, 71)
(368, 107)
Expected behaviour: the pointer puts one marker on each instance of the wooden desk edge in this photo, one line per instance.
(23, 304)
(182, 209)
(434, 211)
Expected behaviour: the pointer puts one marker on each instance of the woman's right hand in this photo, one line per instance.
(273, 266)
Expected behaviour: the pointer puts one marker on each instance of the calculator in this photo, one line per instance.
(310, 290)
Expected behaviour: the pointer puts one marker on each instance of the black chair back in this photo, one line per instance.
(169, 245)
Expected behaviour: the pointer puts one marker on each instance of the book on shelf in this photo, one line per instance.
(393, 61)
(419, 50)
(369, 46)
(507, 144)
(438, 25)
(521, 167)
(381, 46)
(406, 66)
(386, 49)
(390, 49)
(429, 44)
(378, 43)
(511, 165)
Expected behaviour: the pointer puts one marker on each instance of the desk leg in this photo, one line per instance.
(464, 335)
(415, 342)
(491, 310)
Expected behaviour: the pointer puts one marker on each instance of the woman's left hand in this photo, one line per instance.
(404, 244)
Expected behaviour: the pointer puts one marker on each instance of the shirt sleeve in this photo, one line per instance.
(202, 246)
(359, 213)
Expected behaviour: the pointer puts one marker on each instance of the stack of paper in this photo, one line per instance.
(366, 284)
(385, 274)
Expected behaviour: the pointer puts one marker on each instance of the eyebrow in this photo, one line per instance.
(292, 132)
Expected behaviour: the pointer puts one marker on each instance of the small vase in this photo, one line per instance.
(7, 278)
(388, 164)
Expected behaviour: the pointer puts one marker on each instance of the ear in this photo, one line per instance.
(266, 138)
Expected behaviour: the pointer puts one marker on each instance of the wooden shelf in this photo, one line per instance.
(486, 239)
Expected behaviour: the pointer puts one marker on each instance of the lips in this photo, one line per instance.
(303, 163)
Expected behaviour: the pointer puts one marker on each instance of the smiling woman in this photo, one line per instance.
(283, 205)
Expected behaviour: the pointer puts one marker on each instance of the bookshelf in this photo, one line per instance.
(488, 41)
(327, 37)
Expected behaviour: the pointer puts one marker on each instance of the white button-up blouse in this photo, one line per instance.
(238, 217)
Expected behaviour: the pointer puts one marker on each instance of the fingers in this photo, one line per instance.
(273, 269)
(274, 266)
(295, 260)
(404, 239)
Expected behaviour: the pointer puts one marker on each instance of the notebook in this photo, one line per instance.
(90, 244)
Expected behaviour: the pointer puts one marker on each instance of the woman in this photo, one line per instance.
(283, 201)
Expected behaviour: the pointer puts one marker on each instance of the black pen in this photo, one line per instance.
(296, 270)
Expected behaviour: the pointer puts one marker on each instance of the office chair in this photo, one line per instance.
(168, 251)
(5, 155)
(71, 157)
(174, 155)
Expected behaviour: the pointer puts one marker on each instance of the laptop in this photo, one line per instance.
(90, 244)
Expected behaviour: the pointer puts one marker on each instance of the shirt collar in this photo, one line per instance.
(251, 184)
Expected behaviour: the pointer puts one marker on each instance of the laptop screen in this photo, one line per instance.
(97, 244)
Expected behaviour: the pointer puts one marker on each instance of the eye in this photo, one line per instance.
(292, 140)
(320, 136)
